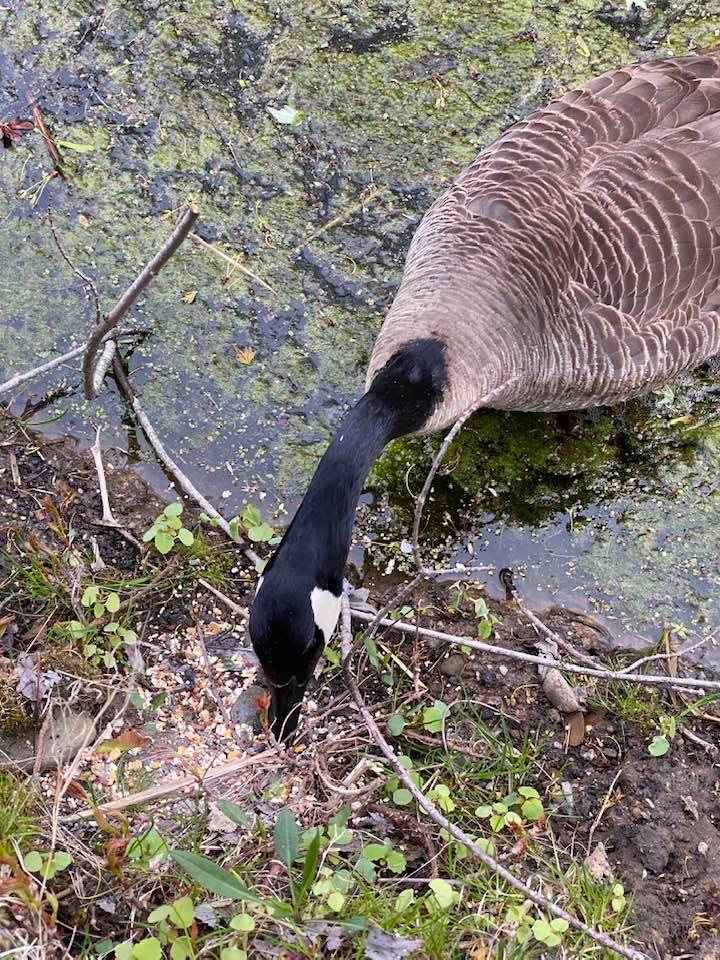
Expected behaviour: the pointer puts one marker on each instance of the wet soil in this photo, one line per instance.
(658, 818)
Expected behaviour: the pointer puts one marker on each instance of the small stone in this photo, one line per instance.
(703, 848)
(453, 666)
(245, 709)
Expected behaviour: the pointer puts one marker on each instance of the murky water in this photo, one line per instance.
(161, 104)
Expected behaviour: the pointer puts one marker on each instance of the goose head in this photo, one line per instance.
(291, 621)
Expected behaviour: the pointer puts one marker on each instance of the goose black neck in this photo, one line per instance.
(401, 398)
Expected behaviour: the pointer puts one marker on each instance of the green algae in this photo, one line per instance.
(396, 99)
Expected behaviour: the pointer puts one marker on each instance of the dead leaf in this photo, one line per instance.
(83, 221)
(190, 296)
(380, 945)
(127, 740)
(575, 725)
(598, 865)
(244, 355)
(691, 807)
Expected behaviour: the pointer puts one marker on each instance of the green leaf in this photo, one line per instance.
(396, 861)
(287, 837)
(366, 869)
(61, 860)
(528, 792)
(159, 913)
(336, 901)
(532, 809)
(77, 147)
(404, 900)
(185, 537)
(173, 509)
(33, 862)
(147, 949)
(310, 866)
(174, 523)
(375, 851)
(261, 533)
(233, 812)
(182, 949)
(149, 534)
(559, 925)
(402, 797)
(182, 912)
(89, 596)
(443, 893)
(213, 877)
(287, 116)
(396, 724)
(124, 950)
(163, 542)
(541, 930)
(98, 610)
(112, 602)
(232, 953)
(243, 922)
(251, 516)
(433, 717)
(483, 811)
(659, 746)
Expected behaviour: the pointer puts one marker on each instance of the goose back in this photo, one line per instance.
(576, 261)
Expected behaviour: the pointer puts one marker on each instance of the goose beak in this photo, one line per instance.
(285, 704)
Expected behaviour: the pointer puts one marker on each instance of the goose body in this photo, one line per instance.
(574, 263)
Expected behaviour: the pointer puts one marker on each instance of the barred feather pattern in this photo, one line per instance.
(576, 261)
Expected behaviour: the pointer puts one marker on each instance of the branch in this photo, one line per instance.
(146, 275)
(185, 483)
(431, 810)
(21, 378)
(87, 281)
(234, 263)
(648, 679)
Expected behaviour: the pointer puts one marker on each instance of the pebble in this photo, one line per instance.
(453, 666)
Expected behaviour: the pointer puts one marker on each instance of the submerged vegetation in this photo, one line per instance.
(313, 140)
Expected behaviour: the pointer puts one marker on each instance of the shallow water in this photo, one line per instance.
(169, 104)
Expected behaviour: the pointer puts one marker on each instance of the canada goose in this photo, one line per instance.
(574, 263)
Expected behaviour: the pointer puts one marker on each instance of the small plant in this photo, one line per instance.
(252, 522)
(167, 530)
(434, 717)
(618, 902)
(401, 796)
(660, 743)
(45, 864)
(486, 621)
(383, 854)
(549, 932)
(514, 811)
(101, 643)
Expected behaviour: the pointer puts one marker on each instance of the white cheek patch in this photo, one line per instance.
(326, 610)
(259, 584)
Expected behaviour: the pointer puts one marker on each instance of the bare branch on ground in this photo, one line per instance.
(432, 811)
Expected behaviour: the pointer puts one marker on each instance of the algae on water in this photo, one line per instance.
(175, 102)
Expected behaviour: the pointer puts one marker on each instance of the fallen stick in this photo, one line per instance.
(432, 811)
(170, 787)
(648, 679)
(21, 378)
(234, 263)
(95, 450)
(146, 275)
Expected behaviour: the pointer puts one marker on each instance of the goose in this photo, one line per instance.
(575, 263)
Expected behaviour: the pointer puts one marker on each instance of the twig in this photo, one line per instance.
(107, 515)
(551, 635)
(420, 505)
(103, 365)
(230, 604)
(146, 275)
(235, 263)
(52, 147)
(694, 738)
(21, 378)
(604, 806)
(165, 458)
(676, 654)
(648, 679)
(87, 281)
(170, 787)
(431, 810)
(343, 215)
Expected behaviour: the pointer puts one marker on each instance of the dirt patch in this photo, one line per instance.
(657, 817)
